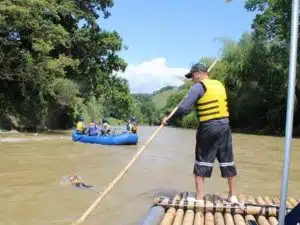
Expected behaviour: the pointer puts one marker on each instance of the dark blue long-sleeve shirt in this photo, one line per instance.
(196, 92)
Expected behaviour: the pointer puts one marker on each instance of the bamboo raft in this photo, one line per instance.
(177, 210)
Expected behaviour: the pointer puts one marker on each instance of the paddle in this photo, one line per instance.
(139, 152)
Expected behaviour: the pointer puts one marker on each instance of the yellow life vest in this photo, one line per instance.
(134, 129)
(80, 126)
(213, 104)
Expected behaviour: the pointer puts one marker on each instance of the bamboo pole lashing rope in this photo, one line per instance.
(272, 220)
(262, 219)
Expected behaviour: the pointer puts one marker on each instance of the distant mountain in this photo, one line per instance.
(142, 97)
(163, 89)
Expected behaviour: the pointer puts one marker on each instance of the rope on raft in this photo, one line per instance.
(233, 208)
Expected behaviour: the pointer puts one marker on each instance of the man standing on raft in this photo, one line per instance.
(213, 139)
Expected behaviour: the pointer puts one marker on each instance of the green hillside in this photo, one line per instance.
(160, 97)
(147, 107)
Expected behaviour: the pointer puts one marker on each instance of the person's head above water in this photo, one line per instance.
(73, 178)
(133, 119)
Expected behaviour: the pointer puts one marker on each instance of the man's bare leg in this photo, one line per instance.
(231, 185)
(199, 181)
(232, 190)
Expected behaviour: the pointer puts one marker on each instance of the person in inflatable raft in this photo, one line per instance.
(81, 127)
(106, 128)
(93, 129)
(131, 126)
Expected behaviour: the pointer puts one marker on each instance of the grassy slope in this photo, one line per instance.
(160, 99)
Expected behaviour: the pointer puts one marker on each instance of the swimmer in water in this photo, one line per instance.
(76, 181)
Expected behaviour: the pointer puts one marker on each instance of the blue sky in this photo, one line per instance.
(169, 36)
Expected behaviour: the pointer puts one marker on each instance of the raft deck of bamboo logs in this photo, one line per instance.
(216, 210)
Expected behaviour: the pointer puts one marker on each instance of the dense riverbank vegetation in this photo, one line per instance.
(56, 63)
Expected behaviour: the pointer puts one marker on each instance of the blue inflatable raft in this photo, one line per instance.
(115, 139)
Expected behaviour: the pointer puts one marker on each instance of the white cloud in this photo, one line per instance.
(152, 75)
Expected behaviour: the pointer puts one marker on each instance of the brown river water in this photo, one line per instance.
(33, 170)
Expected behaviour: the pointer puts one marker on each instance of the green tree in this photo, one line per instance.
(55, 57)
(144, 109)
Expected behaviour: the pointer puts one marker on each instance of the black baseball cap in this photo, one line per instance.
(198, 67)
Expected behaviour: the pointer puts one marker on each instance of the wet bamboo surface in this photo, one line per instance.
(183, 215)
